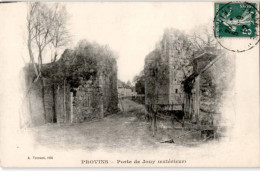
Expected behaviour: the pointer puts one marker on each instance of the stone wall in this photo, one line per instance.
(108, 82)
(34, 100)
(76, 89)
(86, 102)
(62, 104)
(168, 72)
(150, 79)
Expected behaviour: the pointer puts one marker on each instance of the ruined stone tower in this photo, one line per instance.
(169, 68)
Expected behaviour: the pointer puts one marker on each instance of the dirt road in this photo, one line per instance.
(127, 130)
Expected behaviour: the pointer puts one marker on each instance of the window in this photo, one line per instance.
(176, 91)
(88, 101)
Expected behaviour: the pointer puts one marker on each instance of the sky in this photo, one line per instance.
(131, 29)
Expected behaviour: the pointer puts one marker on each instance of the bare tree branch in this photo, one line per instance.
(46, 25)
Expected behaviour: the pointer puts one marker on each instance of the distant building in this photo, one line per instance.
(124, 90)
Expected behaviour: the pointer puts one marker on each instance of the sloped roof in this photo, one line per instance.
(213, 58)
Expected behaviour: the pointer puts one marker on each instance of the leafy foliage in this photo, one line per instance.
(86, 61)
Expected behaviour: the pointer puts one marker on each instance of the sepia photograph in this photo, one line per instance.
(129, 84)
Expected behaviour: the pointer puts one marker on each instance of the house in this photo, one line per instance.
(204, 89)
(71, 90)
(124, 90)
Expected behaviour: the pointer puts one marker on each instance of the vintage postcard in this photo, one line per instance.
(129, 84)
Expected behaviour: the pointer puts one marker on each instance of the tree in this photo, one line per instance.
(46, 25)
(139, 81)
(128, 83)
(32, 8)
(140, 85)
(137, 77)
(59, 33)
(203, 36)
(184, 51)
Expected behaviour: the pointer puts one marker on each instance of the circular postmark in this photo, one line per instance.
(236, 25)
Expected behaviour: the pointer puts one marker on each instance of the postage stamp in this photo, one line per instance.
(235, 19)
(236, 25)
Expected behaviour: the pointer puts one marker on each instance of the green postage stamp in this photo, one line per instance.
(235, 19)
